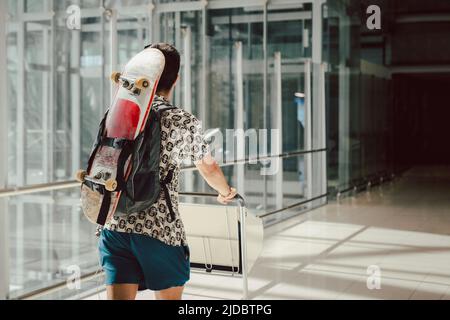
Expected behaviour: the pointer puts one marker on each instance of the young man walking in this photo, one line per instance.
(148, 249)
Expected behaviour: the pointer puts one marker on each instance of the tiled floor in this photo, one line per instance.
(401, 229)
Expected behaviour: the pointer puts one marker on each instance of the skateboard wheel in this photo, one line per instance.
(115, 77)
(142, 83)
(80, 175)
(111, 185)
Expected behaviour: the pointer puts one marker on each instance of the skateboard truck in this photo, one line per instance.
(135, 85)
(110, 184)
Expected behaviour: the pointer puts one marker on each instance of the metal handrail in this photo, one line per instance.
(54, 186)
(37, 188)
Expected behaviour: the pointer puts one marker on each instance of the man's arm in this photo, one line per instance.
(213, 174)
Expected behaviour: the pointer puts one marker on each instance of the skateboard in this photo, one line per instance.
(124, 121)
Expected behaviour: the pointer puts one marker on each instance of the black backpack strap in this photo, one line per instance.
(104, 208)
(167, 180)
(106, 201)
(127, 151)
(100, 135)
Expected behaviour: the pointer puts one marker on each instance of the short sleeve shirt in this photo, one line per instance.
(182, 141)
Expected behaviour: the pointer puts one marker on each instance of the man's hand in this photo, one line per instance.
(226, 199)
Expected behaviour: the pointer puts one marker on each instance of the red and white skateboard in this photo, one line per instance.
(125, 120)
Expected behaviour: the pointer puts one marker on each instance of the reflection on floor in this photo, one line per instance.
(400, 229)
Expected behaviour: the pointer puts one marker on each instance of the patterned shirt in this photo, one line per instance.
(181, 141)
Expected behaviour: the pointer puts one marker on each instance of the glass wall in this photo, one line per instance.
(49, 241)
(244, 67)
(359, 104)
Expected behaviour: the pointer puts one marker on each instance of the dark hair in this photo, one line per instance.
(172, 67)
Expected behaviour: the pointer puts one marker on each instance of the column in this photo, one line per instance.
(239, 120)
(308, 132)
(277, 149)
(187, 96)
(4, 234)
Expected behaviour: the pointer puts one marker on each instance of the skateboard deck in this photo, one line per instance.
(125, 119)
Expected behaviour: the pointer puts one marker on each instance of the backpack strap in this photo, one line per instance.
(125, 153)
(98, 140)
(168, 179)
(104, 208)
(106, 201)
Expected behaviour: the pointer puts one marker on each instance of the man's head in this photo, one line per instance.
(171, 69)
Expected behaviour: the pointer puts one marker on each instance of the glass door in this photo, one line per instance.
(249, 68)
(183, 29)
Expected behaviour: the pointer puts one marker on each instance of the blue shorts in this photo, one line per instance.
(143, 260)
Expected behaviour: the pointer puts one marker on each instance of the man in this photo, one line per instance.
(146, 250)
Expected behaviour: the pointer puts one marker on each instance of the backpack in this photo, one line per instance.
(143, 186)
